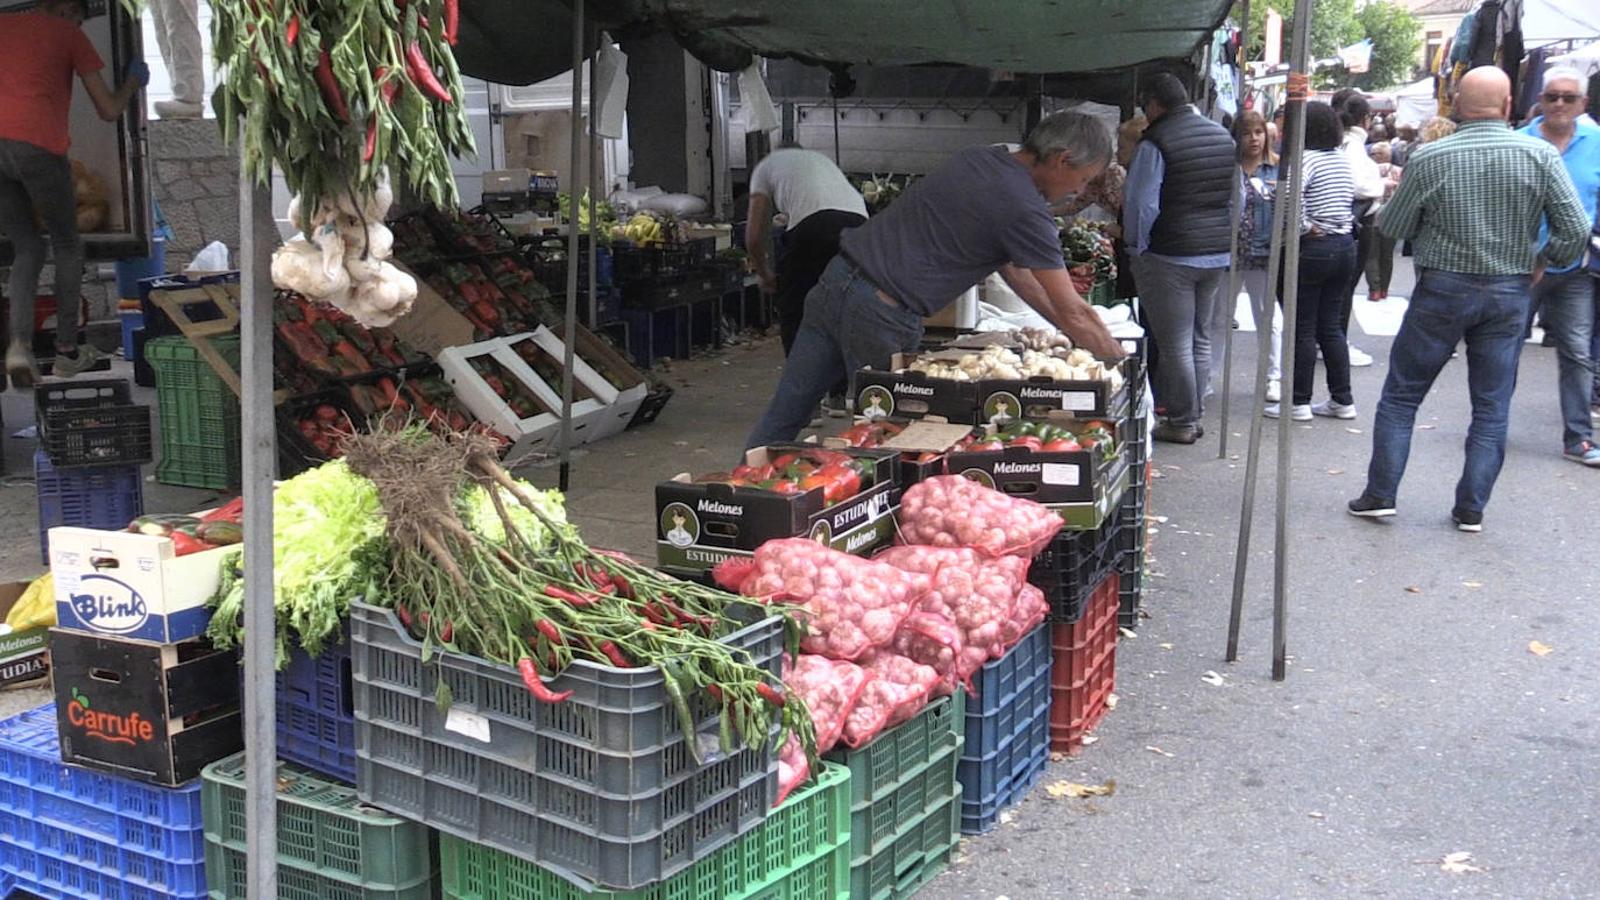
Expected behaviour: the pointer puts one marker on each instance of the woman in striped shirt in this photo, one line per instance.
(1327, 262)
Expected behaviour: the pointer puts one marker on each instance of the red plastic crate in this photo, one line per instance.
(1083, 668)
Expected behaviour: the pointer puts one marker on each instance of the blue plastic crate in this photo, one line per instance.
(106, 497)
(1017, 768)
(316, 717)
(67, 831)
(993, 712)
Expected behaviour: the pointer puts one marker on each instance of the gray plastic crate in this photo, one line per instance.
(600, 788)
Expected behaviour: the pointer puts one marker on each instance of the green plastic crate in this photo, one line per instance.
(801, 852)
(200, 445)
(881, 767)
(920, 851)
(331, 846)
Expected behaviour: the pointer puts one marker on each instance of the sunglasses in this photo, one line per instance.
(1561, 98)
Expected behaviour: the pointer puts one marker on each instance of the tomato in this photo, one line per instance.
(763, 473)
(992, 445)
(743, 471)
(1061, 445)
(1029, 441)
(784, 460)
(858, 435)
(327, 412)
(713, 478)
(785, 487)
(811, 482)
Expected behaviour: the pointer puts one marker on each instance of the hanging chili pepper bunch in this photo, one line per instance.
(336, 91)
(541, 605)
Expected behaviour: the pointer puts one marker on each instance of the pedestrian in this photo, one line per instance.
(818, 203)
(1404, 142)
(1380, 260)
(1356, 113)
(1473, 203)
(1258, 173)
(1565, 296)
(1175, 218)
(177, 27)
(1435, 129)
(40, 51)
(987, 208)
(1327, 257)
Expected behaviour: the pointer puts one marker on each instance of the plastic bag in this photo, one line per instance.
(794, 769)
(1032, 608)
(898, 691)
(976, 593)
(830, 689)
(953, 511)
(849, 604)
(213, 257)
(934, 641)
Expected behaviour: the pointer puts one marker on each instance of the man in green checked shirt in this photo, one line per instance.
(1472, 204)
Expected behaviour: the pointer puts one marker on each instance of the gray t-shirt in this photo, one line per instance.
(948, 231)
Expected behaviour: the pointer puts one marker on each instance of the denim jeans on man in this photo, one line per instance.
(1567, 302)
(34, 181)
(1488, 311)
(1179, 302)
(847, 325)
(1326, 265)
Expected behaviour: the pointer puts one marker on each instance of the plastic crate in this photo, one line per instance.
(106, 497)
(331, 846)
(91, 423)
(315, 712)
(1083, 670)
(919, 852)
(1013, 736)
(200, 444)
(801, 852)
(901, 774)
(67, 831)
(1073, 563)
(1130, 576)
(601, 788)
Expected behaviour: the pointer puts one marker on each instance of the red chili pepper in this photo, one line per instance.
(447, 633)
(770, 694)
(615, 655)
(452, 21)
(608, 589)
(388, 90)
(561, 593)
(715, 692)
(647, 625)
(331, 94)
(422, 73)
(292, 33)
(655, 614)
(624, 588)
(550, 632)
(404, 614)
(536, 687)
(371, 145)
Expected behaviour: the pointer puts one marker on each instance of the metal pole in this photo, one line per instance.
(257, 239)
(1299, 92)
(1232, 298)
(573, 252)
(594, 181)
(836, 157)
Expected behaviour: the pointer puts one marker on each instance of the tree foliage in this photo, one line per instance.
(1395, 35)
(1339, 23)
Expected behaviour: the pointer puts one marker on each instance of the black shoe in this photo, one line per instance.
(1170, 433)
(1368, 507)
(1467, 520)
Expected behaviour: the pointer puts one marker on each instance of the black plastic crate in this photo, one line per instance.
(296, 451)
(92, 423)
(632, 263)
(1131, 591)
(654, 402)
(1073, 564)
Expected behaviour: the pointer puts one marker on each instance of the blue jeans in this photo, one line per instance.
(1567, 303)
(1489, 311)
(1327, 264)
(846, 326)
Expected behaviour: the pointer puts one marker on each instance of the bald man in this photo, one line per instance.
(1473, 204)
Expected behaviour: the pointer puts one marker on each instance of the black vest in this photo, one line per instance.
(1196, 187)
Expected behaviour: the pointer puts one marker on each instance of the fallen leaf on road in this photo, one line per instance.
(1111, 701)
(1335, 471)
(1089, 739)
(1540, 648)
(1160, 751)
(1316, 815)
(1075, 790)
(1458, 863)
(1353, 430)
(1212, 678)
(1127, 634)
(1057, 757)
(1413, 589)
(1472, 584)
(1426, 427)
(1165, 646)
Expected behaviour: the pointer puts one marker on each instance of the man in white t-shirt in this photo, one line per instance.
(819, 203)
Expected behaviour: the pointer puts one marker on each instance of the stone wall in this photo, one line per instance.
(195, 179)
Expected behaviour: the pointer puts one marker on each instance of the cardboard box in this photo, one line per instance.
(432, 324)
(154, 712)
(1056, 477)
(1085, 514)
(507, 181)
(912, 395)
(920, 437)
(615, 408)
(24, 654)
(537, 433)
(132, 585)
(1003, 400)
(700, 525)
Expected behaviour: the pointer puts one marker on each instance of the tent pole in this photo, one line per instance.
(574, 254)
(1299, 92)
(1231, 298)
(258, 237)
(594, 180)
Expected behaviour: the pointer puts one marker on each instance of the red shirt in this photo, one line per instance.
(38, 56)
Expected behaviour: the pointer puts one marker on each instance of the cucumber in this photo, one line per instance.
(161, 524)
(220, 533)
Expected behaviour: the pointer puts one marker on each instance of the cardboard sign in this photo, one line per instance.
(132, 585)
(432, 324)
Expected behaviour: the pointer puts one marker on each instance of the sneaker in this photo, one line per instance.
(1332, 410)
(1299, 412)
(1369, 507)
(69, 366)
(834, 407)
(179, 109)
(1173, 433)
(1359, 359)
(1274, 391)
(1467, 520)
(1586, 454)
(20, 365)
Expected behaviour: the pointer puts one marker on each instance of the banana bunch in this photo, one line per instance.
(36, 606)
(644, 229)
